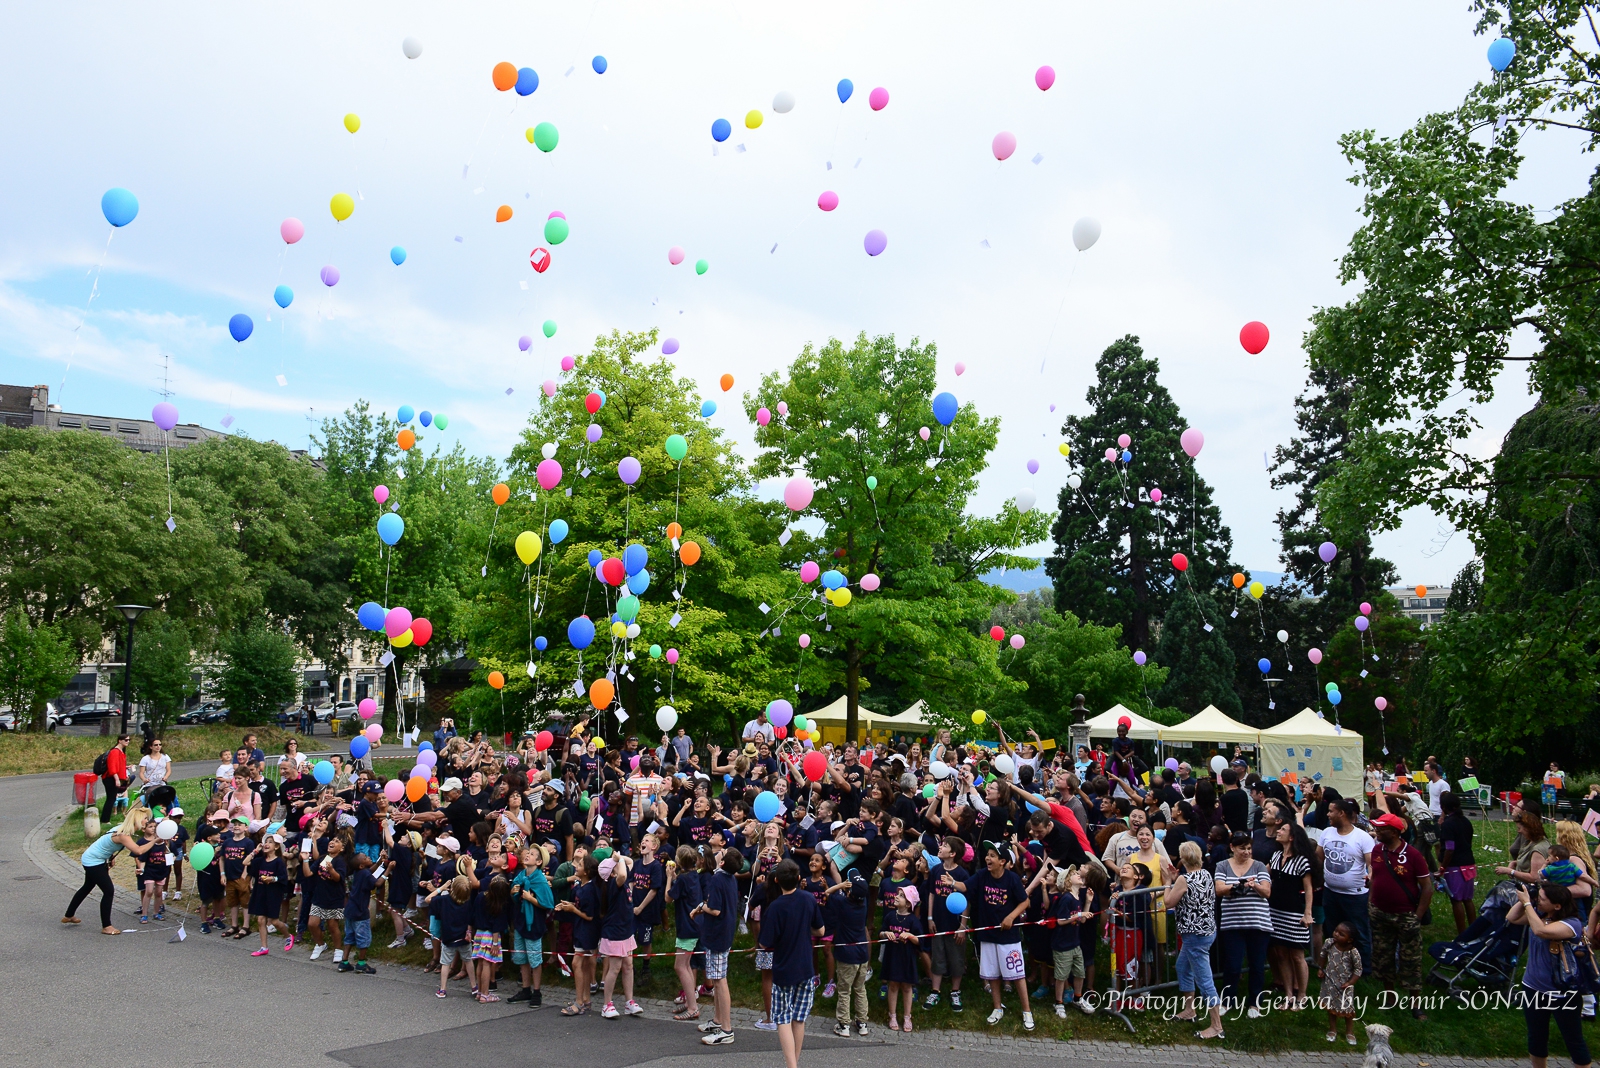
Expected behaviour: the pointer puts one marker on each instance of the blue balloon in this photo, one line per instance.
(945, 407)
(322, 771)
(615, 618)
(1502, 50)
(1335, 697)
(580, 632)
(595, 557)
(1127, 457)
(241, 327)
(120, 206)
(956, 903)
(767, 806)
(599, 64)
(846, 87)
(390, 527)
(425, 417)
(284, 296)
(1264, 664)
(397, 255)
(371, 615)
(406, 413)
(541, 643)
(721, 129)
(727, 780)
(527, 81)
(359, 746)
(708, 409)
(832, 579)
(558, 531)
(635, 558)
(424, 745)
(637, 584)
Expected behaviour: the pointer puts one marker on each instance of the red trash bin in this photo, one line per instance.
(83, 787)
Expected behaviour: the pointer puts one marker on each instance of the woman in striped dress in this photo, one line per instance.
(1243, 884)
(1290, 906)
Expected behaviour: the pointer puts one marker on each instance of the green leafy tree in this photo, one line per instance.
(163, 672)
(853, 413)
(1387, 655)
(1112, 562)
(36, 662)
(1200, 665)
(258, 674)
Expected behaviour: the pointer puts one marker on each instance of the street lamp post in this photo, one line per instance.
(130, 612)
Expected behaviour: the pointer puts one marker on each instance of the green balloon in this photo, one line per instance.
(677, 446)
(800, 723)
(702, 266)
(549, 328)
(1332, 687)
(655, 652)
(628, 607)
(440, 421)
(872, 482)
(556, 230)
(201, 855)
(928, 791)
(545, 136)
(583, 806)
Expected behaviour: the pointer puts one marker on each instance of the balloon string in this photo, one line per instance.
(388, 558)
(527, 574)
(1087, 505)
(1064, 291)
(1194, 506)
(94, 291)
(166, 450)
(540, 595)
(492, 527)
(1263, 617)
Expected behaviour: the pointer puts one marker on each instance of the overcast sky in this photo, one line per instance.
(1202, 137)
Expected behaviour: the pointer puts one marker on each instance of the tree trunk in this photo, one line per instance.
(852, 690)
(1358, 570)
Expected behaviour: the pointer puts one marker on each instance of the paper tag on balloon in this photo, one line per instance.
(677, 595)
(569, 491)
(622, 715)
(532, 670)
(509, 391)
(1235, 615)
(674, 544)
(783, 539)
(1374, 656)
(1363, 672)
(777, 632)
(1272, 704)
(569, 74)
(1208, 628)
(677, 617)
(523, 284)
(1038, 157)
(763, 634)
(611, 677)
(577, 687)
(484, 571)
(282, 381)
(172, 524)
(227, 421)
(765, 608)
(386, 659)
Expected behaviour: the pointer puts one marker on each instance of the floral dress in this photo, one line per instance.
(1338, 965)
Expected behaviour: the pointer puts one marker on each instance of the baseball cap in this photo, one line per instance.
(608, 867)
(241, 819)
(1389, 819)
(557, 785)
(177, 810)
(448, 842)
(220, 814)
(370, 787)
(452, 783)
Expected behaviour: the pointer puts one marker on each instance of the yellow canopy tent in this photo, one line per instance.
(872, 725)
(1141, 729)
(1211, 725)
(1308, 748)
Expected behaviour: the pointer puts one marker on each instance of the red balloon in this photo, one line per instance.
(997, 633)
(613, 571)
(1180, 562)
(539, 260)
(592, 402)
(1254, 337)
(542, 740)
(781, 732)
(866, 759)
(815, 766)
(421, 631)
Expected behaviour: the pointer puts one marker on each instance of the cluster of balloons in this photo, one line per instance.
(1334, 696)
(1256, 588)
(401, 628)
(675, 257)
(507, 77)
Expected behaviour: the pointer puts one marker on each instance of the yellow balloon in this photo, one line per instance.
(599, 745)
(752, 119)
(341, 205)
(528, 546)
(1064, 449)
(352, 122)
(619, 629)
(528, 133)
(979, 716)
(1256, 590)
(400, 641)
(841, 596)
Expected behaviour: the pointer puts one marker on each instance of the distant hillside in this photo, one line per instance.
(1034, 578)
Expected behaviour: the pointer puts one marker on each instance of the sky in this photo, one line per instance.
(1203, 139)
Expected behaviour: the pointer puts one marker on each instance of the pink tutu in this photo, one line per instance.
(608, 948)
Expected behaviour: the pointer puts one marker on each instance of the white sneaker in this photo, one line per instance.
(177, 895)
(398, 943)
(994, 1017)
(719, 1037)
(609, 1012)
(1027, 1021)
(633, 1008)
(1088, 1009)
(338, 955)
(1061, 1011)
(316, 950)
(1253, 1012)
(427, 943)
(705, 1027)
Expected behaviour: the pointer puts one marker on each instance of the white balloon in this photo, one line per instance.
(783, 103)
(1005, 765)
(939, 769)
(1074, 481)
(1026, 499)
(633, 630)
(1283, 635)
(411, 47)
(166, 830)
(549, 450)
(1218, 765)
(666, 717)
(1085, 232)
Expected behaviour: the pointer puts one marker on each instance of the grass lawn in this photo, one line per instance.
(1450, 1028)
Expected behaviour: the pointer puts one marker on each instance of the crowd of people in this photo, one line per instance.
(890, 864)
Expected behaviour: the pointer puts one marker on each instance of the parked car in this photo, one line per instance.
(190, 717)
(89, 712)
(323, 712)
(216, 715)
(8, 720)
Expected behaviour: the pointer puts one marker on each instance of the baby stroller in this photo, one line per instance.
(1486, 954)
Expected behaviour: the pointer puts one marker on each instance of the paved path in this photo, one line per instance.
(78, 997)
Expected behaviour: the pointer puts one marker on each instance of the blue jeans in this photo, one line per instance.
(1340, 908)
(1236, 945)
(1194, 966)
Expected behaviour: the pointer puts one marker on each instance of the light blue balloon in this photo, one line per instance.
(1502, 50)
(359, 746)
(558, 531)
(580, 632)
(832, 579)
(541, 643)
(956, 903)
(595, 557)
(397, 255)
(945, 407)
(120, 207)
(721, 129)
(425, 417)
(1264, 664)
(708, 409)
(371, 615)
(846, 87)
(322, 771)
(637, 584)
(635, 558)
(767, 806)
(727, 780)
(390, 527)
(1335, 697)
(406, 413)
(284, 296)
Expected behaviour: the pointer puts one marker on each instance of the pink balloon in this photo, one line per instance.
(672, 656)
(805, 641)
(809, 571)
(380, 493)
(878, 98)
(961, 368)
(763, 417)
(549, 387)
(549, 474)
(368, 707)
(674, 255)
(1315, 656)
(568, 363)
(556, 215)
(828, 200)
(924, 433)
(1381, 703)
(798, 493)
(1123, 441)
(1155, 496)
(783, 407)
(291, 230)
(1004, 143)
(397, 622)
(1111, 454)
(1192, 441)
(1366, 609)
(633, 763)
(1018, 641)
(870, 582)
(1044, 77)
(374, 733)
(394, 790)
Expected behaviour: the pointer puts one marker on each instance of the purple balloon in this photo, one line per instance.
(1172, 764)
(165, 415)
(875, 242)
(524, 342)
(628, 470)
(669, 346)
(780, 712)
(1327, 550)
(1361, 623)
(330, 275)
(1139, 657)
(593, 433)
(1033, 467)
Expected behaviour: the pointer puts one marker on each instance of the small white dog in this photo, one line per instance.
(1379, 1055)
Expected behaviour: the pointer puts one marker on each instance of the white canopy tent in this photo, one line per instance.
(1211, 724)
(831, 718)
(1308, 748)
(1141, 730)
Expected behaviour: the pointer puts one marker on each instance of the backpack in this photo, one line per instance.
(100, 764)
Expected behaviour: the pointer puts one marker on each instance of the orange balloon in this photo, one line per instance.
(416, 788)
(500, 492)
(689, 553)
(405, 439)
(727, 383)
(674, 530)
(1238, 580)
(1422, 591)
(496, 680)
(601, 692)
(505, 76)
(503, 213)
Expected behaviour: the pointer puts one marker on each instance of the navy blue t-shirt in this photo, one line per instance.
(786, 925)
(1065, 935)
(327, 883)
(617, 924)
(454, 919)
(722, 894)
(400, 875)
(685, 895)
(943, 919)
(482, 920)
(645, 878)
(991, 900)
(357, 905)
(846, 917)
(586, 933)
(234, 850)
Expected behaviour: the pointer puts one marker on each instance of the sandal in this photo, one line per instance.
(685, 1015)
(70, 919)
(439, 994)
(1350, 1038)
(1331, 1037)
(573, 1010)
(1202, 1036)
(110, 930)
(243, 931)
(485, 999)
